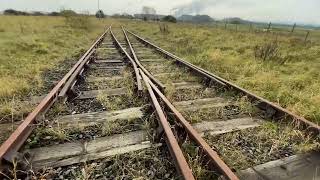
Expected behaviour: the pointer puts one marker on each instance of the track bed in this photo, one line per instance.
(135, 111)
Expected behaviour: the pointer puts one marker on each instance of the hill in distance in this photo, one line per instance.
(196, 18)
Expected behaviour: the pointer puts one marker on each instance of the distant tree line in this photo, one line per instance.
(169, 19)
(13, 12)
(99, 14)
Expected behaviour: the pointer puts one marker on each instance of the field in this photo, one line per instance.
(290, 78)
(31, 46)
(106, 129)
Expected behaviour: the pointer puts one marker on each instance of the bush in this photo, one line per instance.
(67, 13)
(267, 51)
(37, 13)
(100, 14)
(169, 19)
(164, 28)
(74, 20)
(54, 14)
(14, 12)
(78, 21)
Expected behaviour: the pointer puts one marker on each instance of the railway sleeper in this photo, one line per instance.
(78, 152)
(94, 93)
(296, 167)
(109, 61)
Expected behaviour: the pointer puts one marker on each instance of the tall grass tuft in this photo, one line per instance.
(267, 51)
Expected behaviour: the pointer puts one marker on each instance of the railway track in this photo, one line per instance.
(129, 109)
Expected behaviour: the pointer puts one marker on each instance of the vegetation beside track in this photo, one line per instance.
(289, 76)
(31, 46)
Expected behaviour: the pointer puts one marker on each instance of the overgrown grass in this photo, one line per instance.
(29, 46)
(152, 163)
(271, 141)
(291, 78)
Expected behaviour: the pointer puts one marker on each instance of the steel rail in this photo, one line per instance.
(213, 155)
(12, 145)
(175, 151)
(73, 79)
(156, 81)
(136, 71)
(84, 59)
(174, 148)
(262, 103)
(191, 66)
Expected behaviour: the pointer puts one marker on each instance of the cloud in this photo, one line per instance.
(290, 11)
(199, 6)
(285, 11)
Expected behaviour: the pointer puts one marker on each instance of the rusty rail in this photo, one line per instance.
(156, 81)
(84, 60)
(213, 156)
(136, 71)
(261, 102)
(189, 65)
(12, 145)
(180, 161)
(174, 148)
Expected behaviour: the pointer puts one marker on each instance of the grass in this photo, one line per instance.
(30, 46)
(271, 141)
(152, 163)
(293, 84)
(197, 161)
(130, 99)
(59, 134)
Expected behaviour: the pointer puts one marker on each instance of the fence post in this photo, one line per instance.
(269, 26)
(306, 38)
(293, 27)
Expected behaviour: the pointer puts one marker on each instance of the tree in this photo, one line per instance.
(54, 14)
(148, 10)
(67, 13)
(14, 12)
(37, 13)
(100, 14)
(169, 19)
(202, 18)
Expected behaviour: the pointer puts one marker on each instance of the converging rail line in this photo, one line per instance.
(99, 110)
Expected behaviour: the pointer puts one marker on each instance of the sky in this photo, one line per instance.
(277, 11)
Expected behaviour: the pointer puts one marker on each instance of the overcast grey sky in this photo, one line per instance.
(290, 11)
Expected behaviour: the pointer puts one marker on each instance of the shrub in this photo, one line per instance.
(267, 51)
(66, 13)
(14, 12)
(100, 14)
(54, 14)
(164, 28)
(79, 21)
(74, 20)
(169, 19)
(37, 13)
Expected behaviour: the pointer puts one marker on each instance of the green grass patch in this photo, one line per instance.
(30, 46)
(290, 78)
